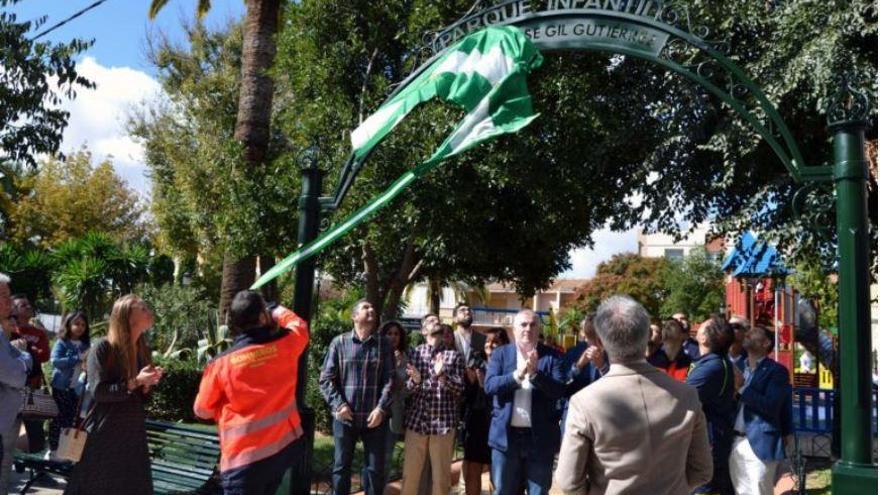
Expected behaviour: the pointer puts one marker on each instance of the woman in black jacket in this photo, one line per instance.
(120, 375)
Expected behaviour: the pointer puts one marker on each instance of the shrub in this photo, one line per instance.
(182, 316)
(173, 399)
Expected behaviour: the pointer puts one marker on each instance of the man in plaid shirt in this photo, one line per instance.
(436, 381)
(356, 381)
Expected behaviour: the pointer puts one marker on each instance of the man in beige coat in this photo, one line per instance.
(636, 430)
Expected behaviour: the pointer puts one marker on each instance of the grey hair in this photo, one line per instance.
(624, 327)
(357, 306)
(4, 279)
(525, 311)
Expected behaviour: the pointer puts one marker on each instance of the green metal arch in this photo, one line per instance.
(786, 148)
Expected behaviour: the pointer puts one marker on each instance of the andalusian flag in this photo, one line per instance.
(485, 73)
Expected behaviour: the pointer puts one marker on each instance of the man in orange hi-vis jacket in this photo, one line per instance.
(250, 391)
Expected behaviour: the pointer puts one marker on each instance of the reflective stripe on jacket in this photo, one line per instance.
(250, 391)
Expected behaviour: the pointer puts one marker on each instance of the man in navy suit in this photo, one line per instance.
(525, 380)
(762, 419)
(712, 375)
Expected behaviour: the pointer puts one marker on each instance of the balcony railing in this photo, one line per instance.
(483, 316)
(499, 317)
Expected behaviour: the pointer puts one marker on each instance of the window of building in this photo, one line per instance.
(673, 254)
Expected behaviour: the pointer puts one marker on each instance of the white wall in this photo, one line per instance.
(655, 245)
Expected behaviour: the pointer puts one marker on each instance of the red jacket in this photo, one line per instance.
(250, 391)
(38, 347)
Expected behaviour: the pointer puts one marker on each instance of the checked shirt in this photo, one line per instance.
(434, 402)
(358, 373)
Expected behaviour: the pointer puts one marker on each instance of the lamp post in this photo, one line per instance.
(309, 222)
(855, 471)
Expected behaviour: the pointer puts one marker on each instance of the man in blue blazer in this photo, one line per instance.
(525, 381)
(762, 420)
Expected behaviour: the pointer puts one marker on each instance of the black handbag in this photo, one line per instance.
(38, 405)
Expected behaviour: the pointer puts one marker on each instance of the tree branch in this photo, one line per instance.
(364, 86)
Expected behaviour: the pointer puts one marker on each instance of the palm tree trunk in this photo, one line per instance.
(253, 119)
(255, 97)
(238, 274)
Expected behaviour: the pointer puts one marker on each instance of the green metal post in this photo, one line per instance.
(855, 471)
(309, 222)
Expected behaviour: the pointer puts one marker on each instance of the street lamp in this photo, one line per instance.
(855, 471)
(309, 213)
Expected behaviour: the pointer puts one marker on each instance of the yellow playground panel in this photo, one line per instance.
(826, 379)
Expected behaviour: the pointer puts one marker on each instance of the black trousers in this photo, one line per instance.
(264, 476)
(36, 434)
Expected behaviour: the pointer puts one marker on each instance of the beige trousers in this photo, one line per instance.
(416, 449)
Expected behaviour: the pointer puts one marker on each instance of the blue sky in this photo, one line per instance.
(120, 27)
(117, 64)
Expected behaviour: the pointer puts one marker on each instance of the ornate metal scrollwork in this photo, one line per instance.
(848, 104)
(686, 49)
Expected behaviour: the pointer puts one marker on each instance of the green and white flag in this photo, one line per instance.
(485, 73)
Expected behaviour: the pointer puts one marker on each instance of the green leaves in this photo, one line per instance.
(29, 269)
(630, 274)
(31, 123)
(155, 7)
(87, 273)
(204, 199)
(83, 284)
(694, 286)
(68, 198)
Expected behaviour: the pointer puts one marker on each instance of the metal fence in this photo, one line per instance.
(813, 417)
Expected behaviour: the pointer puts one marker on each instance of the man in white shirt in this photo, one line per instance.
(525, 381)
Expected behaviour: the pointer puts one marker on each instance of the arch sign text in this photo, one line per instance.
(570, 24)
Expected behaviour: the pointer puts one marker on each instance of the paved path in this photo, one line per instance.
(44, 486)
(56, 485)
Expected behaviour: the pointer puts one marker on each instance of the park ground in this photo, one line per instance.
(818, 480)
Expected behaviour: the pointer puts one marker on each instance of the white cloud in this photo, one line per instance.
(97, 118)
(607, 244)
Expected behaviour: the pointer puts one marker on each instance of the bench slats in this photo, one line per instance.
(181, 470)
(182, 459)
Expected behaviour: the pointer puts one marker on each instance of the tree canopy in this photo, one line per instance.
(694, 286)
(71, 197)
(620, 142)
(512, 210)
(630, 274)
(204, 202)
(35, 77)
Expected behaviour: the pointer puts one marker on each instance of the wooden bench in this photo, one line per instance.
(183, 459)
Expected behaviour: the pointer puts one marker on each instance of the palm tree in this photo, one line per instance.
(254, 111)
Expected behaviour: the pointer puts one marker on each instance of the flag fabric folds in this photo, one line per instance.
(484, 73)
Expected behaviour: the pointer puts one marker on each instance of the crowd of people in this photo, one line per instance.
(633, 407)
